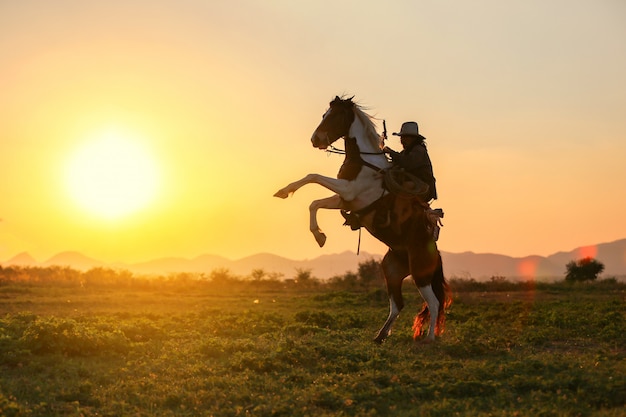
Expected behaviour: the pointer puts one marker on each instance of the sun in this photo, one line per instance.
(112, 175)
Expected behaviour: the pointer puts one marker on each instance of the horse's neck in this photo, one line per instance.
(368, 150)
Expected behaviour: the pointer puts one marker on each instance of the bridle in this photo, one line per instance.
(333, 149)
(344, 122)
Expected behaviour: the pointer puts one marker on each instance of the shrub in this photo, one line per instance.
(370, 272)
(585, 269)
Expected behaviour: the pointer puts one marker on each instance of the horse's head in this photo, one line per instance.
(335, 123)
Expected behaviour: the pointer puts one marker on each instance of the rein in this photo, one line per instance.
(332, 149)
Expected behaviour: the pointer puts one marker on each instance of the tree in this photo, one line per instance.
(370, 272)
(222, 276)
(585, 269)
(303, 275)
(257, 274)
(305, 279)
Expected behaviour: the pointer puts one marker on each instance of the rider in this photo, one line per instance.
(414, 157)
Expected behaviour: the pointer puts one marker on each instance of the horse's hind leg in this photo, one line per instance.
(432, 307)
(395, 268)
(424, 264)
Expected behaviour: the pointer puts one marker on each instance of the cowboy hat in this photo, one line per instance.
(409, 129)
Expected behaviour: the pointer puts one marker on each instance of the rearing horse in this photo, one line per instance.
(402, 225)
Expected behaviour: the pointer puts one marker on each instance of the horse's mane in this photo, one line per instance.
(370, 126)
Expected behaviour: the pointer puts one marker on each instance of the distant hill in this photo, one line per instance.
(612, 255)
(485, 265)
(461, 265)
(21, 259)
(75, 260)
(324, 266)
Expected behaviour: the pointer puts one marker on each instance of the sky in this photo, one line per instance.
(207, 108)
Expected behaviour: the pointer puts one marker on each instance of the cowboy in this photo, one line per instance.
(414, 158)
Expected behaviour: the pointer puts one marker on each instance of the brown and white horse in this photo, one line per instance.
(400, 224)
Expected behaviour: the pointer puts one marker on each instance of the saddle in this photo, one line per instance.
(394, 209)
(404, 184)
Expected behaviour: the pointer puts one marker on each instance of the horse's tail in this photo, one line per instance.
(443, 293)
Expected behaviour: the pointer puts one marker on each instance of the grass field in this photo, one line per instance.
(195, 348)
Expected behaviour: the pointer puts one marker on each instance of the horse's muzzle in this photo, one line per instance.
(319, 140)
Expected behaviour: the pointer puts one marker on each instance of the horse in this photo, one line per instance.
(398, 222)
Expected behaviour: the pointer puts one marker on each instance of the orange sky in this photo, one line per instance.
(522, 105)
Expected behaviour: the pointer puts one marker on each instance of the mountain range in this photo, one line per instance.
(461, 265)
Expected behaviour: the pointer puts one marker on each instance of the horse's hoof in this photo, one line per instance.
(281, 194)
(381, 337)
(321, 239)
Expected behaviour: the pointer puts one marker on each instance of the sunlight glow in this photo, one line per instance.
(527, 268)
(112, 175)
(587, 252)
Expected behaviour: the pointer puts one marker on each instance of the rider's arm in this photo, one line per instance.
(393, 154)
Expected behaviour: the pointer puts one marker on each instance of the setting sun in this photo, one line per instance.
(136, 130)
(111, 175)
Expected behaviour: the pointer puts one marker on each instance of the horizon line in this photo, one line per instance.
(82, 254)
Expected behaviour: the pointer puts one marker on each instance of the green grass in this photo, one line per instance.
(198, 350)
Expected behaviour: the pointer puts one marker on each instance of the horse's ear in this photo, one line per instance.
(350, 99)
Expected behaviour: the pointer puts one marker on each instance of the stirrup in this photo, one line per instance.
(351, 219)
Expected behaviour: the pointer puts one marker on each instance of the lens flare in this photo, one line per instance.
(587, 252)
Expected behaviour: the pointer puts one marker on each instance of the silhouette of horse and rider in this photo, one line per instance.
(387, 193)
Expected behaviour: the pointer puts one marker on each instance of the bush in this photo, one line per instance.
(586, 269)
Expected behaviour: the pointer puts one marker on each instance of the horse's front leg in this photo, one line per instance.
(332, 203)
(338, 186)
